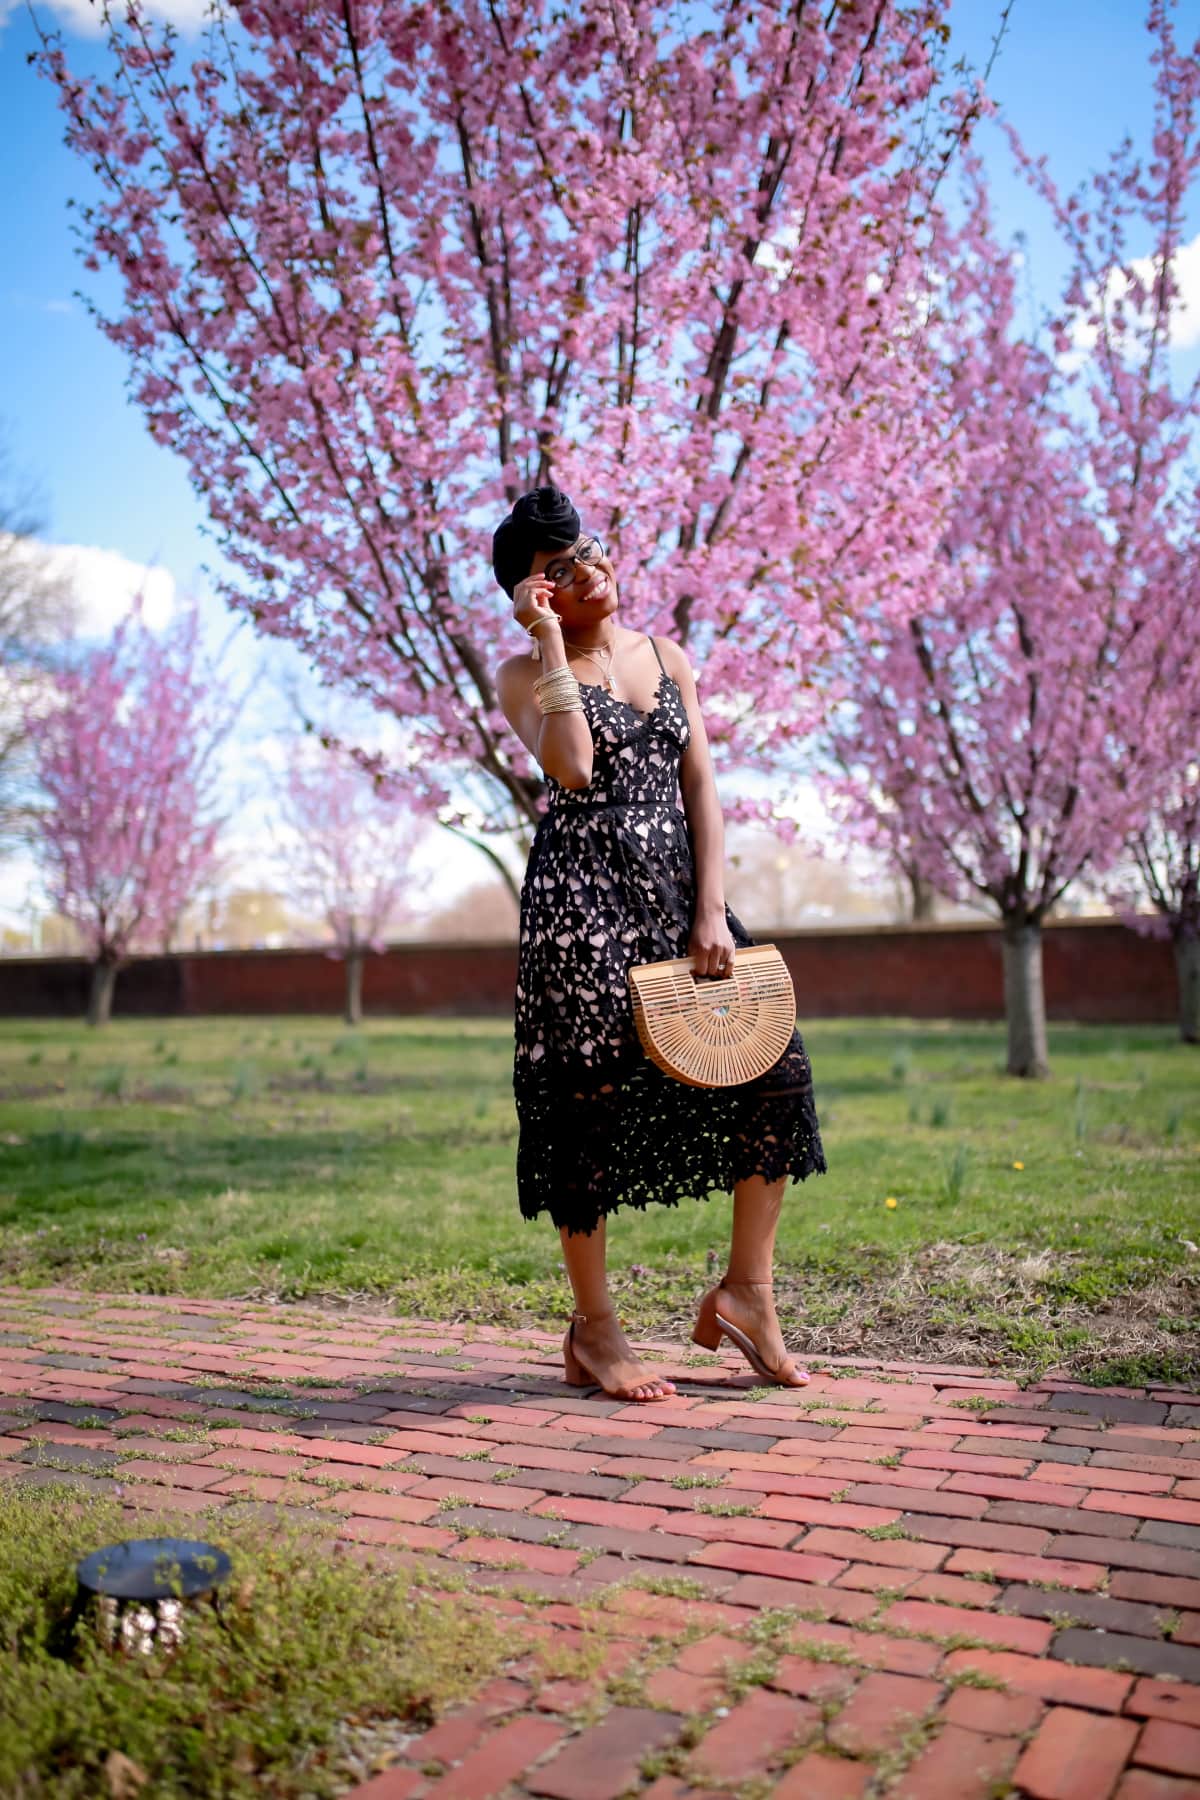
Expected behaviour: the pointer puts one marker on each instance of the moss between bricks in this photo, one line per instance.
(569, 1661)
(676, 1587)
(974, 1678)
(892, 1764)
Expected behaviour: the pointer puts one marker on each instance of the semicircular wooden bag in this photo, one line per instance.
(715, 1032)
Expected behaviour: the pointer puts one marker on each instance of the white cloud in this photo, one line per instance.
(359, 728)
(1185, 307)
(1185, 317)
(106, 583)
(20, 895)
(85, 15)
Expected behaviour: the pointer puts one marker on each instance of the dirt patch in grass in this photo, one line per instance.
(954, 1303)
(1019, 1313)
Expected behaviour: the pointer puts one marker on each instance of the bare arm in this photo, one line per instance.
(561, 742)
(711, 941)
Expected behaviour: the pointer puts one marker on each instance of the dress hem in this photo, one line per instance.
(811, 1165)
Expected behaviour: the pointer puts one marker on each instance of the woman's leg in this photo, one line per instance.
(747, 1298)
(757, 1205)
(600, 1343)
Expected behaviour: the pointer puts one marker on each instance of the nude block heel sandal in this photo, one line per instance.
(711, 1327)
(708, 1323)
(574, 1373)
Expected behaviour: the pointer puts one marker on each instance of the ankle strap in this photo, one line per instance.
(578, 1318)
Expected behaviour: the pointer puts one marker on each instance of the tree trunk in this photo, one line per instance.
(100, 994)
(924, 897)
(1024, 999)
(354, 980)
(1187, 969)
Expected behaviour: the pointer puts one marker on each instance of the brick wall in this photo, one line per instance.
(1094, 970)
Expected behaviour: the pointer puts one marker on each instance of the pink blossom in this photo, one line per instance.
(384, 267)
(125, 741)
(348, 852)
(1041, 705)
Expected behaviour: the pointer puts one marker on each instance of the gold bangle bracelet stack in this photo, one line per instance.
(558, 691)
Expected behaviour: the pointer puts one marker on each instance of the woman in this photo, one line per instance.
(618, 876)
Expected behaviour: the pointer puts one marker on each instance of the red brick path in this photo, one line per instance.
(994, 1590)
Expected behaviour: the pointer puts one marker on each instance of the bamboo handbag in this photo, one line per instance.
(719, 1032)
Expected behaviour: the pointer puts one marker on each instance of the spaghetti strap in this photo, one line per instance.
(662, 665)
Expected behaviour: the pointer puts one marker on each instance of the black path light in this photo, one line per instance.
(140, 1587)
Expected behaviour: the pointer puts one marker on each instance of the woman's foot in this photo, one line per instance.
(596, 1350)
(749, 1306)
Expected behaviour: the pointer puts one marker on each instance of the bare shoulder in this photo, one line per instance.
(514, 679)
(516, 675)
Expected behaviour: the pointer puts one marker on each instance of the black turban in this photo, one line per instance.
(543, 519)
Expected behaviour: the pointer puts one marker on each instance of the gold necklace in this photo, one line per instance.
(596, 663)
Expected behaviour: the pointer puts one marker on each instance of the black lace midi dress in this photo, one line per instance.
(610, 883)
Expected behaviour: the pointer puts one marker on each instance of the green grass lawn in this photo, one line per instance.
(1036, 1224)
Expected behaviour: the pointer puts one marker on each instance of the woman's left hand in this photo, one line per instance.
(711, 946)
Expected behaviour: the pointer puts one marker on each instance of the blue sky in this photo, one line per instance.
(1072, 75)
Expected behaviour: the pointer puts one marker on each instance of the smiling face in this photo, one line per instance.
(592, 593)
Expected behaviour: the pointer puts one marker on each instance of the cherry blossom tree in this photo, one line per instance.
(1021, 725)
(347, 855)
(1165, 853)
(386, 266)
(125, 742)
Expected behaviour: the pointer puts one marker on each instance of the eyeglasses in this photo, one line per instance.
(562, 572)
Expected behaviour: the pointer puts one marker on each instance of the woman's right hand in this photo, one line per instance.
(532, 601)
